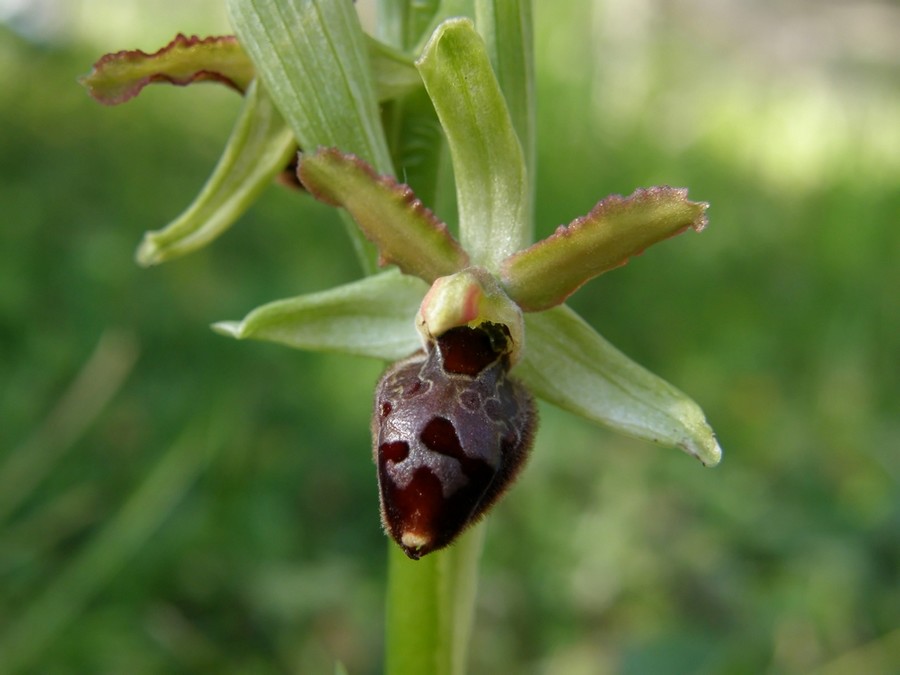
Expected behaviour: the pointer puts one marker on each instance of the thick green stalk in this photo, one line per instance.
(430, 605)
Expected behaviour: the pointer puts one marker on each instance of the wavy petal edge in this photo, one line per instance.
(120, 76)
(614, 231)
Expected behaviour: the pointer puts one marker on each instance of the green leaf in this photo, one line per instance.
(313, 57)
(430, 606)
(260, 146)
(372, 317)
(545, 274)
(492, 188)
(404, 231)
(119, 77)
(570, 365)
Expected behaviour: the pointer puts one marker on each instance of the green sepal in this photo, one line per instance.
(570, 365)
(260, 146)
(491, 185)
(118, 77)
(371, 317)
(617, 228)
(403, 230)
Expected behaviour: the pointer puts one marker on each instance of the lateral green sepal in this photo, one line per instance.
(371, 317)
(570, 365)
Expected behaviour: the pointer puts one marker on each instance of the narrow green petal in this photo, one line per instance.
(545, 274)
(313, 57)
(492, 188)
(570, 365)
(372, 317)
(404, 231)
(260, 146)
(118, 77)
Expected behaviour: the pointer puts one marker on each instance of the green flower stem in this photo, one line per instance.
(430, 605)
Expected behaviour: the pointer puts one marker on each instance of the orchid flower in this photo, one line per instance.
(323, 98)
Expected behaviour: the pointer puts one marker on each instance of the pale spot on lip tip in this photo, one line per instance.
(414, 540)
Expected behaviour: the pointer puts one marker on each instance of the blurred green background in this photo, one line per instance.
(175, 502)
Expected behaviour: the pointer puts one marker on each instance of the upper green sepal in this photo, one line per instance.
(617, 228)
(403, 230)
(491, 183)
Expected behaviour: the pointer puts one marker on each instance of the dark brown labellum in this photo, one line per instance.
(451, 431)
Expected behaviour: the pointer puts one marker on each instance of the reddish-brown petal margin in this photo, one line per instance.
(121, 76)
(379, 219)
(546, 273)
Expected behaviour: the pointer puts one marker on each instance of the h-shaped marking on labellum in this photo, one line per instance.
(452, 430)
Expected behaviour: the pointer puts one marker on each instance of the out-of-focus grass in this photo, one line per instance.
(262, 552)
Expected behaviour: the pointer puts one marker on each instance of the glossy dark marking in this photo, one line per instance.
(440, 436)
(466, 351)
(394, 452)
